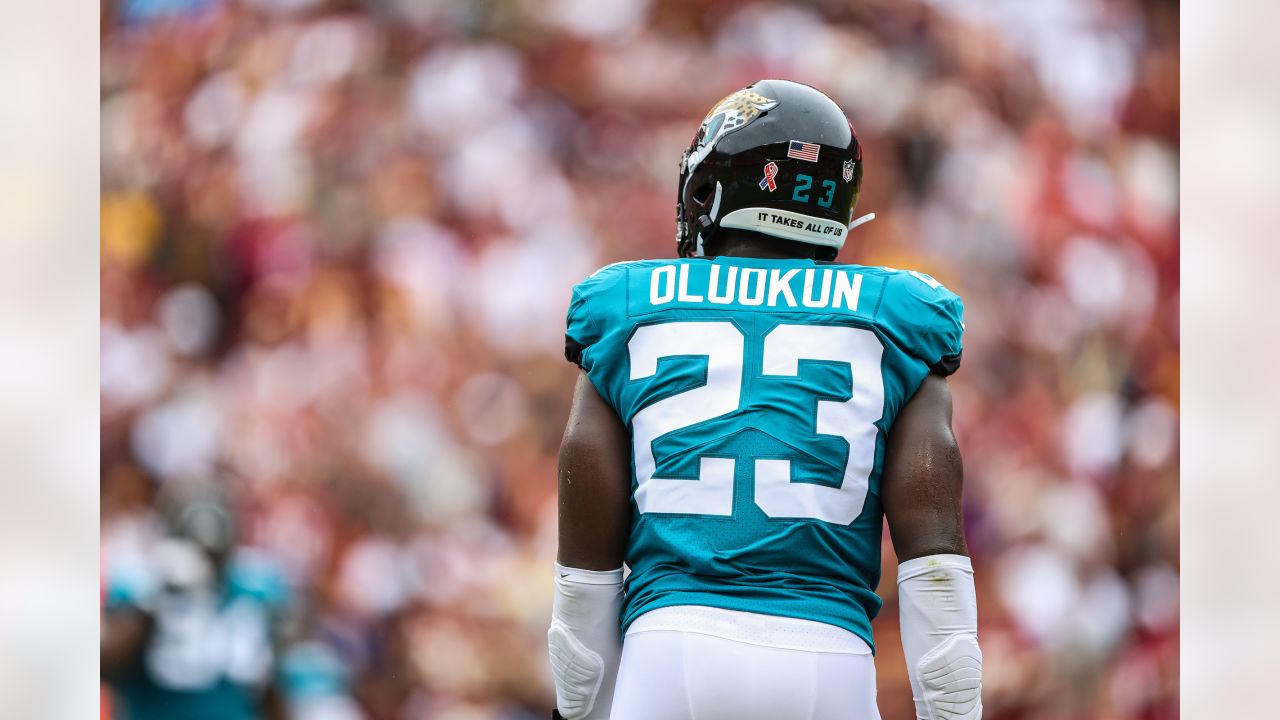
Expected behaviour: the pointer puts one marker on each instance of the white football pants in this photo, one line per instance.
(700, 663)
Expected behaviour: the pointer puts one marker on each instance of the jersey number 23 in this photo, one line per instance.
(723, 345)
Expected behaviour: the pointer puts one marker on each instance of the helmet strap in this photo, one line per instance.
(705, 228)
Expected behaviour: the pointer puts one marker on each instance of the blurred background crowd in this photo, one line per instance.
(338, 239)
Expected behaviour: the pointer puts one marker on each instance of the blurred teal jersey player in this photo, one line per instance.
(759, 394)
(191, 623)
(746, 419)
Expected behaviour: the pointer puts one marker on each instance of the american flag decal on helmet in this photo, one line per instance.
(803, 151)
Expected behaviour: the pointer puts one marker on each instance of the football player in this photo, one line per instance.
(744, 417)
(191, 627)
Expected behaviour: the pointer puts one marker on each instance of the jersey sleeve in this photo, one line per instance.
(254, 574)
(581, 331)
(945, 335)
(130, 584)
(588, 318)
(927, 321)
(596, 330)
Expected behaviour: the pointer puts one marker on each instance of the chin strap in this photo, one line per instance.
(862, 220)
(698, 249)
(708, 222)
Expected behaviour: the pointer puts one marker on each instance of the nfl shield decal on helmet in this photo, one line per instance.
(848, 170)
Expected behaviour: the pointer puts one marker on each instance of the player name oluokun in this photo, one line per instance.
(716, 284)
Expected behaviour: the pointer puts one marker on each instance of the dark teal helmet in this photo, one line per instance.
(778, 158)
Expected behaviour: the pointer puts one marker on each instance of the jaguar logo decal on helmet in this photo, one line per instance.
(733, 112)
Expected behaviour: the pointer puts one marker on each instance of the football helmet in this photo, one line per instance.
(776, 157)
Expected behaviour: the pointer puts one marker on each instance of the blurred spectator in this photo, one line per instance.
(337, 244)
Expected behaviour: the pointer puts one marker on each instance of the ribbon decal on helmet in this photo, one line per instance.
(770, 172)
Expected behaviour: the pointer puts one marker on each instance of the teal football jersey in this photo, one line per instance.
(759, 394)
(211, 652)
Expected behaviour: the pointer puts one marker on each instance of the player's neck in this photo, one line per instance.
(757, 252)
(752, 245)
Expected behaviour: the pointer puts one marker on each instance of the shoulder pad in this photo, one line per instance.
(253, 574)
(130, 583)
(585, 321)
(927, 318)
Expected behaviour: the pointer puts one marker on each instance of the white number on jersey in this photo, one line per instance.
(722, 344)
